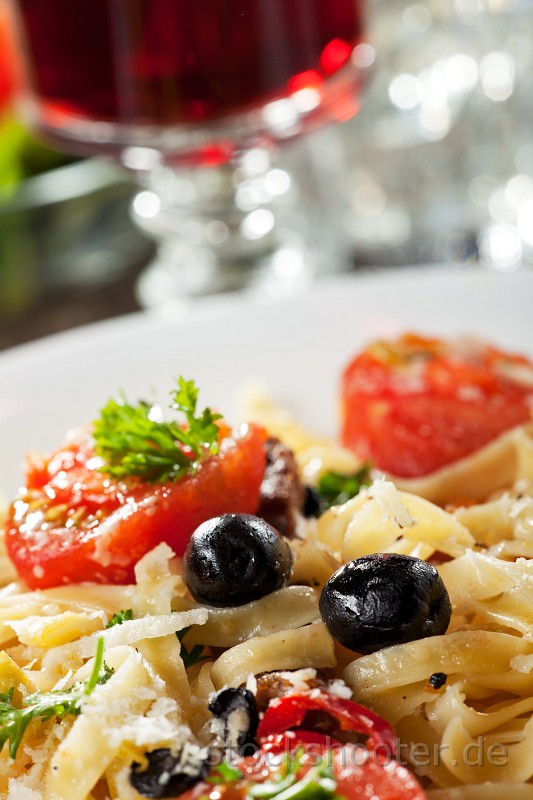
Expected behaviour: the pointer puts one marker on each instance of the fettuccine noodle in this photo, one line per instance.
(470, 738)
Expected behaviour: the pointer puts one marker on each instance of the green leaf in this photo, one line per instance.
(194, 656)
(269, 789)
(132, 441)
(225, 773)
(334, 488)
(120, 617)
(45, 705)
(282, 780)
(202, 431)
(317, 784)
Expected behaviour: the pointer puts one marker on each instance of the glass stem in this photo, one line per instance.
(216, 226)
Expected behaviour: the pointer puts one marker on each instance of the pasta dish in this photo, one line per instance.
(143, 657)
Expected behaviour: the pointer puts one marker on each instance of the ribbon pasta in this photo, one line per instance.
(469, 738)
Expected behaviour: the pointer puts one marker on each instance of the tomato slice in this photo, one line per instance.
(356, 778)
(291, 710)
(73, 523)
(373, 780)
(416, 404)
(7, 68)
(308, 764)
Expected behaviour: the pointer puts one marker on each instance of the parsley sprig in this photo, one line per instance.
(133, 441)
(119, 617)
(193, 656)
(334, 488)
(45, 705)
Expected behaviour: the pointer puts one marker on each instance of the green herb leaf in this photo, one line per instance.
(193, 656)
(282, 780)
(201, 433)
(225, 773)
(133, 441)
(269, 789)
(45, 705)
(317, 784)
(120, 617)
(334, 488)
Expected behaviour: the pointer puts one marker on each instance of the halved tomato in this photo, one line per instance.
(360, 770)
(349, 776)
(8, 80)
(373, 780)
(74, 523)
(416, 404)
(289, 714)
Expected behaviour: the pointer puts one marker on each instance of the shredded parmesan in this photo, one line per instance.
(389, 500)
(131, 632)
(19, 791)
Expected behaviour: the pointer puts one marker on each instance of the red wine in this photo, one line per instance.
(161, 62)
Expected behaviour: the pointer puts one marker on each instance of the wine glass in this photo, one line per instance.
(193, 97)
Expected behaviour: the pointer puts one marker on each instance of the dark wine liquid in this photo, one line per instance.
(180, 61)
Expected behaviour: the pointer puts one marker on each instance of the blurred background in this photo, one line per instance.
(435, 169)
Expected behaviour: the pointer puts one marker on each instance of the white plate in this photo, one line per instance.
(297, 347)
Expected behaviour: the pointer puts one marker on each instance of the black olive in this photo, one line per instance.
(437, 680)
(384, 599)
(234, 559)
(169, 774)
(236, 721)
(312, 506)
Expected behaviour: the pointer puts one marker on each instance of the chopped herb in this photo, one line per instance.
(282, 780)
(269, 789)
(202, 433)
(333, 488)
(193, 656)
(317, 784)
(45, 705)
(225, 773)
(120, 617)
(133, 441)
(292, 762)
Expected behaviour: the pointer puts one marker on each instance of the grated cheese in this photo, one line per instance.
(390, 501)
(130, 632)
(18, 790)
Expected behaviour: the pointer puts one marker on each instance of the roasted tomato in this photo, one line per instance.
(7, 69)
(288, 761)
(307, 764)
(323, 713)
(329, 774)
(74, 523)
(417, 404)
(306, 725)
(315, 774)
(388, 781)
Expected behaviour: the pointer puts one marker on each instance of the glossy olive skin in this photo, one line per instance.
(235, 558)
(312, 506)
(238, 717)
(384, 599)
(161, 777)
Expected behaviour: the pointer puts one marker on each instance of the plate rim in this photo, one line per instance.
(217, 304)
